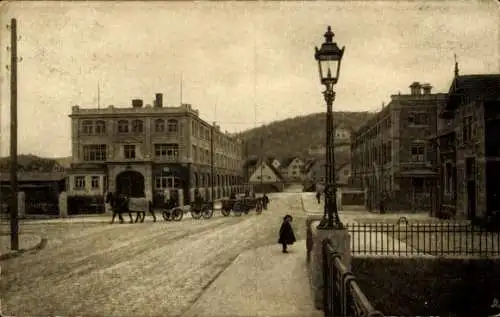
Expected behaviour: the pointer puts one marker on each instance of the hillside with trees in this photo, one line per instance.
(31, 163)
(294, 136)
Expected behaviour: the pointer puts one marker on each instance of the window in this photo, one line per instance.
(94, 152)
(79, 182)
(123, 126)
(87, 126)
(416, 118)
(159, 125)
(129, 151)
(193, 128)
(94, 182)
(168, 150)
(467, 129)
(194, 153)
(100, 127)
(448, 178)
(166, 180)
(418, 152)
(172, 125)
(418, 185)
(137, 126)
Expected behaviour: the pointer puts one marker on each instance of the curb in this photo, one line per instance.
(12, 254)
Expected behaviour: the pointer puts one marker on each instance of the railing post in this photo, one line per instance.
(326, 286)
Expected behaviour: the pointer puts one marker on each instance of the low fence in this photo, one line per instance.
(442, 238)
(342, 295)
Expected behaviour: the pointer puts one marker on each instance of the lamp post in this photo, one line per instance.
(329, 57)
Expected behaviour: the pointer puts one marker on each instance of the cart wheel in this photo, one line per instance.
(196, 214)
(166, 215)
(206, 212)
(225, 212)
(177, 214)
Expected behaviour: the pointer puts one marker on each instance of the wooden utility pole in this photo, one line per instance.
(14, 221)
(212, 165)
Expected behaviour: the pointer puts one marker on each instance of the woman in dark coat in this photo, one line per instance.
(286, 233)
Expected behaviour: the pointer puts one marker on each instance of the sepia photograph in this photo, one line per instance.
(250, 158)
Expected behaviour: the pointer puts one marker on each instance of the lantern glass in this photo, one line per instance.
(329, 70)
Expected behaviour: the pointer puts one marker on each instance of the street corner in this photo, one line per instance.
(27, 242)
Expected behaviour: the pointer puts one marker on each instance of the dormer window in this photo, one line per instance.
(123, 126)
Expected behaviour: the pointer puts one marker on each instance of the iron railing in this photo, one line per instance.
(342, 295)
(403, 237)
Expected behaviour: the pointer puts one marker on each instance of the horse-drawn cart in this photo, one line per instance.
(172, 211)
(240, 205)
(201, 209)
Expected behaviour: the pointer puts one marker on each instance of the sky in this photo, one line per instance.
(242, 64)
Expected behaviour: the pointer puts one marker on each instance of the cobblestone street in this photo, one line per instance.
(148, 269)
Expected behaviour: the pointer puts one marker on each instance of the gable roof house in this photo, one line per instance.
(293, 168)
(265, 177)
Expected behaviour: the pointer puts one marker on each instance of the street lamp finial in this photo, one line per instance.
(329, 35)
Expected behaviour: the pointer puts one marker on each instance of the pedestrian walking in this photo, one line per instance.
(286, 237)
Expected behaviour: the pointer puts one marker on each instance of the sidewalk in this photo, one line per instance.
(376, 240)
(261, 282)
(26, 242)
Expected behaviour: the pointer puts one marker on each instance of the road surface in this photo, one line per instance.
(145, 269)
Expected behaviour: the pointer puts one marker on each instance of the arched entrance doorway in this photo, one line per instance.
(130, 183)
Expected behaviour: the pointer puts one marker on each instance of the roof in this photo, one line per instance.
(250, 163)
(269, 161)
(322, 161)
(35, 176)
(480, 87)
(288, 161)
(309, 164)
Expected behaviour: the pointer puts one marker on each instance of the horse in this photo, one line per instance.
(119, 205)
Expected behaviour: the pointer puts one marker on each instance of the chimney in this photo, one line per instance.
(416, 88)
(136, 103)
(426, 89)
(158, 100)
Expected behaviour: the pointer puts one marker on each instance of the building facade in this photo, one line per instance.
(391, 155)
(468, 147)
(145, 150)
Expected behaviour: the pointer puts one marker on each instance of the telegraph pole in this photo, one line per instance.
(262, 162)
(212, 165)
(14, 221)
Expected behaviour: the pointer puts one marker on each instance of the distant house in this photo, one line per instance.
(342, 142)
(293, 169)
(264, 174)
(343, 175)
(316, 173)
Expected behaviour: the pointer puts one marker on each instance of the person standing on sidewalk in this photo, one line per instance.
(318, 197)
(286, 236)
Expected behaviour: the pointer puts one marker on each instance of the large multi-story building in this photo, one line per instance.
(392, 156)
(144, 150)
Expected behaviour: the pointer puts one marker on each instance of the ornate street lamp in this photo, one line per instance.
(329, 57)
